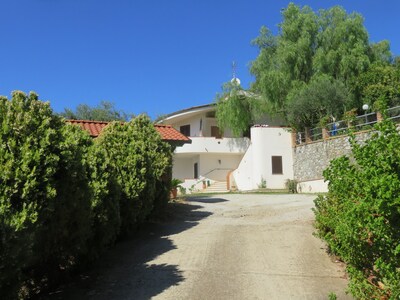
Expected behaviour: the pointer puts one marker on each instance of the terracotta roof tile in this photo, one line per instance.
(167, 132)
(93, 127)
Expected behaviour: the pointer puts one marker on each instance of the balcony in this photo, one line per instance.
(214, 145)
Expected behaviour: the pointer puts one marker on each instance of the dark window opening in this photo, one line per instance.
(215, 132)
(210, 114)
(196, 171)
(277, 165)
(185, 129)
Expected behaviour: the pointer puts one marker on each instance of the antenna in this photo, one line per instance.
(234, 78)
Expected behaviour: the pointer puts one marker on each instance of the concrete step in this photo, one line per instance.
(216, 187)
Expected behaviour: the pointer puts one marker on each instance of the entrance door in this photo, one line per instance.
(196, 170)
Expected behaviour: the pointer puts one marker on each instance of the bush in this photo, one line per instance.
(140, 158)
(106, 193)
(359, 218)
(44, 196)
(64, 198)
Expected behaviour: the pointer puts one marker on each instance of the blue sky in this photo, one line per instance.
(152, 56)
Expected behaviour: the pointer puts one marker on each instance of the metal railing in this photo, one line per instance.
(203, 177)
(361, 122)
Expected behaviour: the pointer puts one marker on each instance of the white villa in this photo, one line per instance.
(217, 161)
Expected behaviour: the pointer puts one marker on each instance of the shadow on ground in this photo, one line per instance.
(203, 199)
(125, 272)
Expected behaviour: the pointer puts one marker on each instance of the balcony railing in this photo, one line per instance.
(362, 122)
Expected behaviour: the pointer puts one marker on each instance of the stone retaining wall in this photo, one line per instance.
(311, 159)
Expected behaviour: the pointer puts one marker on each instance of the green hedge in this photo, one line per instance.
(65, 198)
(141, 159)
(359, 218)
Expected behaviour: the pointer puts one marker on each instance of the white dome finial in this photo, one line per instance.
(234, 79)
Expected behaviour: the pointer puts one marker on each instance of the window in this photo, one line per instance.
(277, 165)
(185, 129)
(210, 114)
(215, 132)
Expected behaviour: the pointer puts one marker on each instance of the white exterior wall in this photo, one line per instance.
(214, 145)
(313, 186)
(217, 166)
(244, 173)
(194, 123)
(183, 167)
(257, 165)
(268, 142)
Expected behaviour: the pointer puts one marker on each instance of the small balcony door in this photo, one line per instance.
(215, 132)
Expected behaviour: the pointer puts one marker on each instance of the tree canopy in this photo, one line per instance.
(314, 56)
(236, 108)
(105, 111)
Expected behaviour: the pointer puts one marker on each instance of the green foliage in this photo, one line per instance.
(64, 198)
(292, 67)
(332, 296)
(44, 196)
(342, 46)
(263, 183)
(175, 183)
(106, 193)
(291, 185)
(323, 96)
(380, 81)
(105, 111)
(236, 109)
(140, 158)
(359, 218)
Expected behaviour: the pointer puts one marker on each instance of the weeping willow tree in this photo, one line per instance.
(309, 48)
(237, 109)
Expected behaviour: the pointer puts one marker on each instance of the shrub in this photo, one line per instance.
(64, 198)
(140, 158)
(359, 218)
(106, 193)
(44, 196)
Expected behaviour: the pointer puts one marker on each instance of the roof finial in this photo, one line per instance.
(234, 79)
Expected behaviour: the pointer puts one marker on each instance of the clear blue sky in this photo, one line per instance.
(146, 55)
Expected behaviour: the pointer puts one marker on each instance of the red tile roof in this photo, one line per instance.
(170, 134)
(93, 127)
(167, 132)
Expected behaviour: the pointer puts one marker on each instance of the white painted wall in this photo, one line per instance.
(244, 173)
(183, 167)
(313, 186)
(219, 165)
(266, 142)
(193, 121)
(214, 145)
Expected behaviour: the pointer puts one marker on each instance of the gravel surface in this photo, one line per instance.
(244, 246)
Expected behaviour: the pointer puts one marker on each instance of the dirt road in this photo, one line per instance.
(222, 247)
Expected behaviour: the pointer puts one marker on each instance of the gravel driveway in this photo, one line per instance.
(221, 247)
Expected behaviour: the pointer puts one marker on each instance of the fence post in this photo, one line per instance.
(294, 134)
(325, 133)
(308, 134)
(379, 117)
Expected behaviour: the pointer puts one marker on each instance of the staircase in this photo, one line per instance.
(216, 187)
